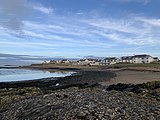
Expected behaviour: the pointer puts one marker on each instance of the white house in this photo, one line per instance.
(142, 59)
(96, 62)
(46, 61)
(110, 60)
(88, 61)
(53, 62)
(156, 59)
(65, 61)
(126, 59)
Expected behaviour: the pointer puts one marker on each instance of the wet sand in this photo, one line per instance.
(133, 77)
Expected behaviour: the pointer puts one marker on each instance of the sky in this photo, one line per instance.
(77, 28)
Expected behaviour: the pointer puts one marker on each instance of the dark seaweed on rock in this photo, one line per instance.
(135, 88)
(83, 104)
(80, 79)
(120, 87)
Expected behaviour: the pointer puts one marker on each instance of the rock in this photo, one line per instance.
(58, 96)
(57, 84)
(81, 115)
(89, 103)
(65, 96)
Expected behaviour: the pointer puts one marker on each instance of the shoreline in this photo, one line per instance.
(96, 75)
(82, 96)
(80, 78)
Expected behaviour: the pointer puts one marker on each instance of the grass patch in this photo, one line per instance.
(122, 65)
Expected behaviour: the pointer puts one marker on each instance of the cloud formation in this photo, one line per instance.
(95, 33)
(43, 9)
(77, 33)
(12, 13)
(145, 2)
(134, 31)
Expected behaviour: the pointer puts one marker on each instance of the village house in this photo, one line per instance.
(88, 61)
(126, 59)
(53, 62)
(46, 62)
(110, 60)
(130, 59)
(96, 62)
(156, 59)
(65, 61)
(142, 59)
(107, 61)
(138, 59)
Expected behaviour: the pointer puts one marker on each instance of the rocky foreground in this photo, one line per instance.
(116, 102)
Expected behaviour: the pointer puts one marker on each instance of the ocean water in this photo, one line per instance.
(8, 75)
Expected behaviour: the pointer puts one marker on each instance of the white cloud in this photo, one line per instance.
(132, 31)
(88, 35)
(135, 31)
(138, 1)
(152, 21)
(43, 9)
(12, 14)
(26, 44)
(33, 34)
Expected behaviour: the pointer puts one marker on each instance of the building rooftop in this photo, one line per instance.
(126, 57)
(111, 58)
(139, 56)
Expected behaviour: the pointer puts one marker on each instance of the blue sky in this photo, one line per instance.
(77, 28)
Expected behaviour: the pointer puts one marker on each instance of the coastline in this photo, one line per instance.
(80, 78)
(87, 75)
(99, 93)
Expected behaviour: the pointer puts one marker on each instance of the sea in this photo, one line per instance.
(10, 75)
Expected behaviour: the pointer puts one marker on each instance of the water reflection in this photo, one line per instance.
(7, 75)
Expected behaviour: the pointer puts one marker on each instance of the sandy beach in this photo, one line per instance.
(128, 74)
(133, 77)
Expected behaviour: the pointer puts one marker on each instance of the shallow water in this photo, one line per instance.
(8, 75)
